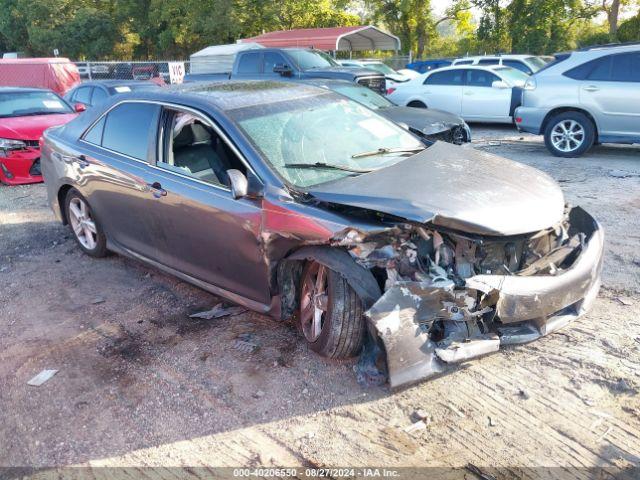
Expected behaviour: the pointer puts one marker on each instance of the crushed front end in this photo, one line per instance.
(449, 297)
(20, 162)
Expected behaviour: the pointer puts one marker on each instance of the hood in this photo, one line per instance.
(31, 127)
(455, 187)
(397, 77)
(341, 72)
(427, 121)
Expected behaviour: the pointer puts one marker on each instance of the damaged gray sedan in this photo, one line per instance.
(303, 204)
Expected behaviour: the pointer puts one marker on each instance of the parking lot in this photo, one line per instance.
(142, 384)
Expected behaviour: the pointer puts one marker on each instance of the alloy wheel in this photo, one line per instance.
(83, 225)
(567, 136)
(314, 301)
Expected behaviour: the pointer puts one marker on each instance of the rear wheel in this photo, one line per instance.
(331, 314)
(85, 228)
(416, 104)
(569, 134)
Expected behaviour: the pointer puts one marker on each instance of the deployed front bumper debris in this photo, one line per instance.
(447, 312)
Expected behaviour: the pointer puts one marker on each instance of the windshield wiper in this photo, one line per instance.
(327, 166)
(385, 150)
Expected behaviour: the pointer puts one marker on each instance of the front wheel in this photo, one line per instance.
(86, 230)
(331, 314)
(569, 134)
(416, 104)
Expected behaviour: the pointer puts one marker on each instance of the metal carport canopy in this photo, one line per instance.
(334, 38)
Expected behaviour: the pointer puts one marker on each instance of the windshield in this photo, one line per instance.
(304, 138)
(380, 67)
(20, 104)
(363, 95)
(309, 59)
(513, 76)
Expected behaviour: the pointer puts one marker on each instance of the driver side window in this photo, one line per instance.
(192, 148)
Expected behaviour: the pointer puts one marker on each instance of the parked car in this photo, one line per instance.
(92, 93)
(291, 64)
(298, 202)
(24, 114)
(528, 64)
(424, 66)
(584, 97)
(57, 74)
(477, 94)
(392, 77)
(427, 123)
(98, 70)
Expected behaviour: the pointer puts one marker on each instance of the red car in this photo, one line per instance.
(25, 113)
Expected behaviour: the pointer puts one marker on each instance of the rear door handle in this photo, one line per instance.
(156, 189)
(591, 88)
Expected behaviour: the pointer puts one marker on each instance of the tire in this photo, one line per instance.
(579, 127)
(342, 325)
(416, 104)
(85, 228)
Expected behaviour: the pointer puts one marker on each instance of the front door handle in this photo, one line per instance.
(82, 161)
(591, 88)
(156, 189)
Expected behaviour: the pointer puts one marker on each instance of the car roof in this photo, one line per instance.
(467, 67)
(23, 90)
(500, 55)
(238, 94)
(115, 83)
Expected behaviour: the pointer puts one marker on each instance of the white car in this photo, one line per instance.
(477, 94)
(528, 64)
(391, 76)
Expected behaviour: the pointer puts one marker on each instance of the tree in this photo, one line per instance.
(629, 30)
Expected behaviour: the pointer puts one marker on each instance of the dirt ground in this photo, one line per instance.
(141, 384)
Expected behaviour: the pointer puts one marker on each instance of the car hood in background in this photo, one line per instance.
(341, 72)
(458, 188)
(31, 127)
(427, 121)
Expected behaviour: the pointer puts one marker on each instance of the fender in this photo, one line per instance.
(338, 260)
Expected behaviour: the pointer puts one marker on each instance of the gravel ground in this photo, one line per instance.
(141, 384)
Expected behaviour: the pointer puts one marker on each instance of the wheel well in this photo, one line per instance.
(556, 111)
(62, 195)
(417, 103)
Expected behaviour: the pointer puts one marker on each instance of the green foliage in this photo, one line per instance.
(629, 30)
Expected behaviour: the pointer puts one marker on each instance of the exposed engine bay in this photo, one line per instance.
(446, 295)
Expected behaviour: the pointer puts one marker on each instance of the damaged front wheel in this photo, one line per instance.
(331, 314)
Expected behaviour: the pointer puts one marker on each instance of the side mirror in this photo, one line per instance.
(79, 107)
(500, 84)
(239, 183)
(282, 69)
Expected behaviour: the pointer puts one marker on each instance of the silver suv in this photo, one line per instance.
(584, 97)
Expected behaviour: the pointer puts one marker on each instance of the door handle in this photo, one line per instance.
(591, 88)
(82, 161)
(156, 189)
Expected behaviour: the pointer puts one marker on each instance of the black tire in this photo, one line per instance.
(416, 104)
(580, 119)
(100, 240)
(343, 325)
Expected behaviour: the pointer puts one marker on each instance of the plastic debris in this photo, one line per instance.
(219, 311)
(627, 302)
(246, 344)
(42, 377)
(97, 300)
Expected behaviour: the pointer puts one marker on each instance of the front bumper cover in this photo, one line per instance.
(17, 166)
(522, 308)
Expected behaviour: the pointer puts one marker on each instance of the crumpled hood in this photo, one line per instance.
(455, 187)
(31, 127)
(428, 121)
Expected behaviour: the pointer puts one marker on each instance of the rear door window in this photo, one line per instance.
(489, 61)
(601, 70)
(249, 63)
(625, 67)
(448, 77)
(129, 127)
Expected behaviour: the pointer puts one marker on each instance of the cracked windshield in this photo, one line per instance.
(323, 138)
